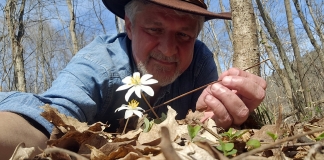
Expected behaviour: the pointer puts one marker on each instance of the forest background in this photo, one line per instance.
(38, 38)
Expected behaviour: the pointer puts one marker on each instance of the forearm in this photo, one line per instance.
(14, 130)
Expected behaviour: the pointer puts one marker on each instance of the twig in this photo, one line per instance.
(73, 154)
(312, 152)
(199, 88)
(207, 129)
(149, 106)
(125, 125)
(254, 151)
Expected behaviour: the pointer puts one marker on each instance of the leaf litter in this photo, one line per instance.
(170, 140)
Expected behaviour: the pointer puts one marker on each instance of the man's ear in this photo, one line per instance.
(128, 27)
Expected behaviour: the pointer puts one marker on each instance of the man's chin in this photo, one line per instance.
(165, 79)
(162, 75)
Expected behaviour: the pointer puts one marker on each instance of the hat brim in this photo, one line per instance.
(117, 7)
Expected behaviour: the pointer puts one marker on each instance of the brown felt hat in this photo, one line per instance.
(197, 7)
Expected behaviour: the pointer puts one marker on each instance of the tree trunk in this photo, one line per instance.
(217, 51)
(119, 24)
(227, 23)
(246, 51)
(281, 73)
(16, 26)
(300, 69)
(317, 25)
(74, 39)
(309, 32)
(297, 97)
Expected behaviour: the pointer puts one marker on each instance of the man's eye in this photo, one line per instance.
(154, 30)
(183, 36)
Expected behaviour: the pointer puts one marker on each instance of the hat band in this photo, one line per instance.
(199, 3)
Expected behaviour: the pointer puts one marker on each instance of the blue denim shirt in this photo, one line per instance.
(86, 88)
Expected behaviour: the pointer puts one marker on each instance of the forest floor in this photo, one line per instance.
(175, 140)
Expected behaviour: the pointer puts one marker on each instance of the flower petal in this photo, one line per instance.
(139, 108)
(148, 90)
(136, 74)
(123, 87)
(127, 79)
(129, 93)
(138, 90)
(128, 113)
(138, 113)
(150, 81)
(145, 77)
(124, 106)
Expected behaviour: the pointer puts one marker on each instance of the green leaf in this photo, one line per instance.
(252, 144)
(273, 136)
(161, 119)
(220, 148)
(147, 125)
(320, 137)
(228, 146)
(234, 151)
(193, 130)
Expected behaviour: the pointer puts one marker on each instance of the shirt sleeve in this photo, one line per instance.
(78, 91)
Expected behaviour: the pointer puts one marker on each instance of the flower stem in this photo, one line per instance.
(199, 88)
(151, 108)
(125, 125)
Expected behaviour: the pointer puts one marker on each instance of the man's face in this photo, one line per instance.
(162, 42)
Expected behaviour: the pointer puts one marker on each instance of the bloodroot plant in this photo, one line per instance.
(136, 84)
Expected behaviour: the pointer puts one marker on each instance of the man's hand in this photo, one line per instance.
(230, 101)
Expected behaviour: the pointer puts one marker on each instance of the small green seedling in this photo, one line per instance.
(233, 136)
(161, 119)
(226, 148)
(273, 136)
(193, 130)
(252, 144)
(320, 137)
(148, 125)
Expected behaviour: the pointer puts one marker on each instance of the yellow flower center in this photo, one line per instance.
(136, 80)
(133, 104)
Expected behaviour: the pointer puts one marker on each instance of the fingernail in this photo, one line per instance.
(218, 88)
(227, 80)
(208, 97)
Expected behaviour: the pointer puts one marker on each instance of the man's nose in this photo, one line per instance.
(168, 45)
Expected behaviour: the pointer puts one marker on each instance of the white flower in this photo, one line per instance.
(131, 108)
(137, 84)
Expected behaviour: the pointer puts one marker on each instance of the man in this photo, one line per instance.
(160, 40)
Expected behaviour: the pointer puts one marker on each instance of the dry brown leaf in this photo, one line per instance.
(211, 125)
(122, 152)
(96, 154)
(133, 134)
(21, 152)
(153, 136)
(96, 140)
(60, 120)
(110, 147)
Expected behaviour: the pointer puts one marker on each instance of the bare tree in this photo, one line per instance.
(300, 67)
(298, 99)
(119, 24)
(245, 39)
(16, 31)
(72, 27)
(309, 32)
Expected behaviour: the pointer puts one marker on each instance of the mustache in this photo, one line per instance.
(160, 56)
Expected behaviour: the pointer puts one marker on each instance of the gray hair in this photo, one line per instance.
(135, 6)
